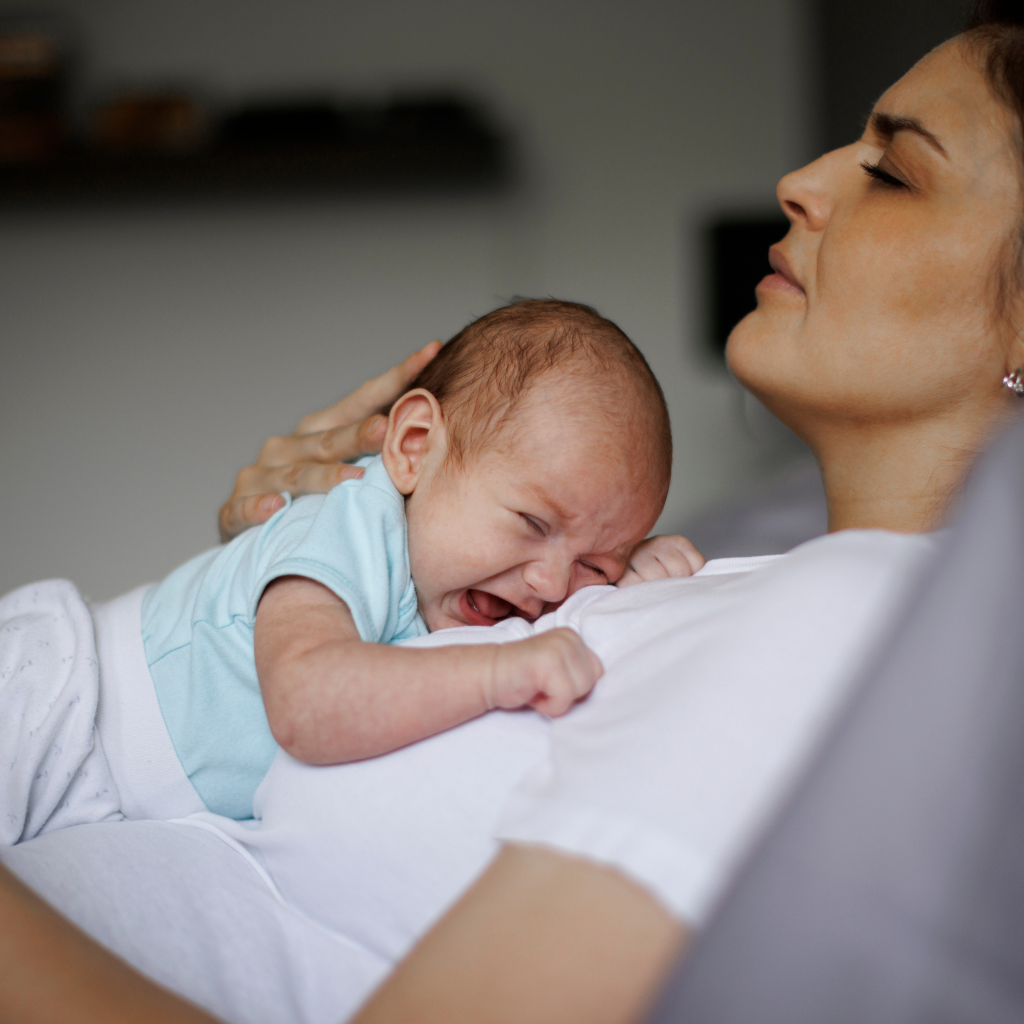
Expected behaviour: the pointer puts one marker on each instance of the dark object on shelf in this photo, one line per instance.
(430, 119)
(319, 123)
(311, 148)
(299, 124)
(32, 125)
(141, 123)
(737, 259)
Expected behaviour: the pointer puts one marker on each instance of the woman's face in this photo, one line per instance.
(885, 303)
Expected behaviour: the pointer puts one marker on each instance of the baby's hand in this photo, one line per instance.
(548, 673)
(661, 558)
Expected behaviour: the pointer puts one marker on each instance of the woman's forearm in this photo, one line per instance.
(541, 938)
(51, 973)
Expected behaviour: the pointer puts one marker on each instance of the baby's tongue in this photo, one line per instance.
(489, 605)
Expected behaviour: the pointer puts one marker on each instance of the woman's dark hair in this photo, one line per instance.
(995, 33)
(1008, 12)
(997, 28)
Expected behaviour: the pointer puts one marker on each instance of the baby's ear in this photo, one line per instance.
(415, 429)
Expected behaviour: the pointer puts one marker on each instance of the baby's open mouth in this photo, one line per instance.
(483, 609)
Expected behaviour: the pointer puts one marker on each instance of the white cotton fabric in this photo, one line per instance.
(190, 912)
(150, 779)
(715, 690)
(82, 739)
(377, 850)
(53, 771)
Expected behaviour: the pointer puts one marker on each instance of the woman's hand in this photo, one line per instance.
(661, 558)
(313, 459)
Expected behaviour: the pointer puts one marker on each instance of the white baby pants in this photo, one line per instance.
(53, 771)
(82, 738)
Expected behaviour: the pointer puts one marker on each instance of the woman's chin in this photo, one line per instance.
(756, 343)
(747, 346)
(762, 362)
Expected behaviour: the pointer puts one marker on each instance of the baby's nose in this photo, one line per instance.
(549, 578)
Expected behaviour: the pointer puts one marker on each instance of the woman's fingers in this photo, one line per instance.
(238, 514)
(342, 444)
(310, 477)
(243, 510)
(310, 461)
(373, 396)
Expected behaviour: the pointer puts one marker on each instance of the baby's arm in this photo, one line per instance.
(332, 697)
(660, 558)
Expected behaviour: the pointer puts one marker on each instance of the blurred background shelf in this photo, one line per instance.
(313, 149)
(313, 170)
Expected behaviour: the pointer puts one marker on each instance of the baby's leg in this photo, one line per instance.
(53, 772)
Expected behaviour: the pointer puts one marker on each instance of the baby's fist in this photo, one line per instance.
(548, 672)
(661, 558)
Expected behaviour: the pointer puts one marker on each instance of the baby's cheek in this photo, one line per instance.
(435, 620)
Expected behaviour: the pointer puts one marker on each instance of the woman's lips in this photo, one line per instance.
(783, 279)
(482, 609)
(776, 282)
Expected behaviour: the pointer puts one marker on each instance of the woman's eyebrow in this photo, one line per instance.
(887, 125)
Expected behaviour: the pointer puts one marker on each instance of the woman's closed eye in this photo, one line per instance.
(876, 172)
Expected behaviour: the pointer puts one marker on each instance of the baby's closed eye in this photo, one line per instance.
(537, 525)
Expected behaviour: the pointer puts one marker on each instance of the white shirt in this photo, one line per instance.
(716, 690)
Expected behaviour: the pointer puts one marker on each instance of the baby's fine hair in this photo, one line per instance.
(482, 374)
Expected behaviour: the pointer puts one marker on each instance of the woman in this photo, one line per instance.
(884, 338)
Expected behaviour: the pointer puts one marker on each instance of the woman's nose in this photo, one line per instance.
(806, 196)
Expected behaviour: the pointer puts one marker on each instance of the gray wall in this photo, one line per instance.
(865, 46)
(146, 353)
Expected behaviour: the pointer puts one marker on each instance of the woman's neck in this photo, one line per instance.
(898, 477)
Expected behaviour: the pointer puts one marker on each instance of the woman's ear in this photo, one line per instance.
(415, 432)
(1015, 355)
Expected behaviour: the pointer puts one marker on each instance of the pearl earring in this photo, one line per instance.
(1015, 381)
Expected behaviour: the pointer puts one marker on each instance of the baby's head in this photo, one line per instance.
(535, 453)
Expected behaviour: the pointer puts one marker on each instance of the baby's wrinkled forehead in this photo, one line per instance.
(565, 437)
(591, 408)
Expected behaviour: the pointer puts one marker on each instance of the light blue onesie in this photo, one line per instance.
(197, 626)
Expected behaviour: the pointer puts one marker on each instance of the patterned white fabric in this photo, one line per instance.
(53, 771)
